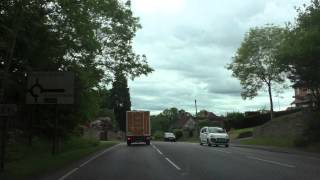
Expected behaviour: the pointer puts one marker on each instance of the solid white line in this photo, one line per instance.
(272, 162)
(222, 151)
(68, 174)
(173, 164)
(96, 156)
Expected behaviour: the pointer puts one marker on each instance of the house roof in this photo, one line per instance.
(182, 120)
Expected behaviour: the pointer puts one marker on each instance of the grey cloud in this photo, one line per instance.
(189, 51)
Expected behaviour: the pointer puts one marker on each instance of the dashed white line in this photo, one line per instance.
(173, 164)
(68, 174)
(157, 149)
(272, 162)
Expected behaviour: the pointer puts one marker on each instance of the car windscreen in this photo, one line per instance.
(216, 130)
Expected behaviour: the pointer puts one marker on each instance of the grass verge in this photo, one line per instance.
(26, 162)
(270, 141)
(235, 132)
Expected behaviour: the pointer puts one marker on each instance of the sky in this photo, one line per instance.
(188, 43)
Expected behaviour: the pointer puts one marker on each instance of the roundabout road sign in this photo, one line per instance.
(50, 88)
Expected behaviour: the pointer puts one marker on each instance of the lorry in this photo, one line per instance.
(138, 127)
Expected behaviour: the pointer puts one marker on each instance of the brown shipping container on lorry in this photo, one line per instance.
(138, 127)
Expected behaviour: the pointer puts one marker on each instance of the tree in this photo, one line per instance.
(120, 99)
(255, 63)
(89, 38)
(171, 114)
(300, 52)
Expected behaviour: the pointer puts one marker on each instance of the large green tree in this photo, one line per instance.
(255, 63)
(300, 53)
(90, 38)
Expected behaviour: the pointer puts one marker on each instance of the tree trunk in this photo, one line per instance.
(271, 102)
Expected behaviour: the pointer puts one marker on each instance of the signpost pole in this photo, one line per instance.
(3, 142)
(54, 142)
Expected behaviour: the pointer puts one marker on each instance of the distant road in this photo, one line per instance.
(184, 161)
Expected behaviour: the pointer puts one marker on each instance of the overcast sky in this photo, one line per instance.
(189, 43)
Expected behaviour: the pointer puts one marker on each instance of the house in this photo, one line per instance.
(211, 117)
(303, 96)
(185, 121)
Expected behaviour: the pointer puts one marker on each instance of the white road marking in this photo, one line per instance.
(68, 174)
(96, 156)
(173, 164)
(83, 164)
(228, 152)
(272, 162)
(154, 147)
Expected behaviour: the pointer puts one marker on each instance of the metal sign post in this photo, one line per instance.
(6, 110)
(3, 142)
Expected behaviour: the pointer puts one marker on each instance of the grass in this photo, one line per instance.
(24, 162)
(270, 141)
(235, 132)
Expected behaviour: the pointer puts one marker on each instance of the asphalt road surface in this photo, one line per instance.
(184, 161)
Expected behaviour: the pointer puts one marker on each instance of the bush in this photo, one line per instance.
(158, 135)
(301, 141)
(311, 133)
(178, 133)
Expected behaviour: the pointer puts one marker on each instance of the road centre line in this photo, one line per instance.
(271, 162)
(157, 149)
(173, 164)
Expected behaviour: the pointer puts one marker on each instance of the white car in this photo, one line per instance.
(168, 136)
(214, 136)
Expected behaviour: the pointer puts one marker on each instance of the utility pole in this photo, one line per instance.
(195, 104)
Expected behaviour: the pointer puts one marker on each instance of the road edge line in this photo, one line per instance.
(68, 174)
(272, 162)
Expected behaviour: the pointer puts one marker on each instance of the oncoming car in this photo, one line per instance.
(214, 136)
(168, 136)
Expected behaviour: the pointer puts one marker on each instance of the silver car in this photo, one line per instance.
(214, 136)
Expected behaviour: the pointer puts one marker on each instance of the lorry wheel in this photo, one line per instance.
(227, 145)
(148, 143)
(128, 143)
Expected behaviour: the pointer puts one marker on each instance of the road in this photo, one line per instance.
(184, 161)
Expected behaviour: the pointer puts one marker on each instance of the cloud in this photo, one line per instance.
(189, 43)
